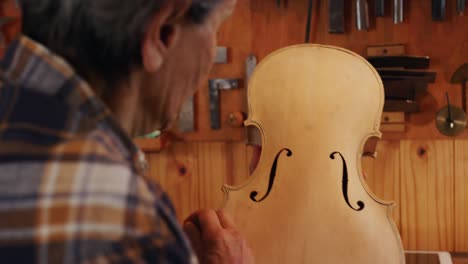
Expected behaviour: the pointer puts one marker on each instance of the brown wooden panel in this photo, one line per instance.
(460, 258)
(193, 173)
(383, 175)
(427, 201)
(418, 258)
(461, 195)
(212, 172)
(176, 170)
(237, 162)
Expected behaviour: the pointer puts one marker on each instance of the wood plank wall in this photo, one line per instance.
(426, 179)
(421, 170)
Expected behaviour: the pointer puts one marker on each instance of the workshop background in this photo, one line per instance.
(422, 170)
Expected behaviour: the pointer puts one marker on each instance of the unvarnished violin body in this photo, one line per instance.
(307, 202)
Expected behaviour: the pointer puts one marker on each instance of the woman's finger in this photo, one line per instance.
(225, 220)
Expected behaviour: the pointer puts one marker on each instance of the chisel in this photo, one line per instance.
(428, 76)
(438, 10)
(397, 11)
(408, 78)
(336, 16)
(408, 62)
(406, 106)
(405, 89)
(215, 87)
(253, 136)
(362, 15)
(379, 8)
(309, 21)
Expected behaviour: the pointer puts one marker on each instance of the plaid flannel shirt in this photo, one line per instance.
(73, 187)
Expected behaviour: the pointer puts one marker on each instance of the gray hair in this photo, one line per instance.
(99, 36)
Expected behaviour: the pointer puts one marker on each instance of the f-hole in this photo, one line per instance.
(253, 195)
(344, 184)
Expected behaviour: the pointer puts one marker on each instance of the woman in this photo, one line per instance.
(84, 77)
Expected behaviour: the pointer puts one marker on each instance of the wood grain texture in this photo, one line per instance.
(429, 214)
(383, 175)
(212, 172)
(194, 173)
(167, 168)
(461, 195)
(427, 201)
(237, 163)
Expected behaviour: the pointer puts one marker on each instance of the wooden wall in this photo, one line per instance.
(423, 171)
(426, 179)
(259, 27)
(419, 176)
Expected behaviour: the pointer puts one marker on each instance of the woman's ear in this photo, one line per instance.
(160, 36)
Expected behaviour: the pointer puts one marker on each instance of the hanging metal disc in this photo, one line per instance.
(454, 126)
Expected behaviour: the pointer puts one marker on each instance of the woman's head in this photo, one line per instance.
(167, 45)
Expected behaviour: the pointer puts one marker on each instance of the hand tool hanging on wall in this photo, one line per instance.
(450, 120)
(215, 86)
(250, 65)
(424, 80)
(309, 21)
(460, 7)
(187, 113)
(221, 56)
(236, 119)
(408, 62)
(398, 10)
(386, 50)
(461, 77)
(187, 116)
(423, 76)
(253, 135)
(336, 16)
(379, 8)
(438, 10)
(362, 15)
(405, 89)
(406, 106)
